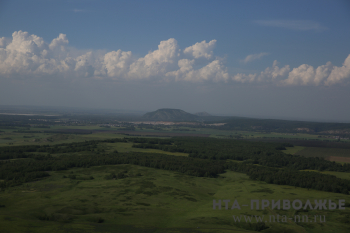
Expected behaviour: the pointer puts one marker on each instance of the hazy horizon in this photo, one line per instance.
(60, 110)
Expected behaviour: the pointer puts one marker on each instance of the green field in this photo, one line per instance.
(293, 150)
(151, 201)
(12, 137)
(127, 147)
(343, 175)
(323, 152)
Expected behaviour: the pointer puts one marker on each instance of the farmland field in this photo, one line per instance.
(323, 152)
(293, 150)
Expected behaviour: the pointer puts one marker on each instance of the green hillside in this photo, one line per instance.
(167, 114)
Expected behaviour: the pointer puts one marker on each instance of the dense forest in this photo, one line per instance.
(208, 157)
(303, 179)
(273, 125)
(21, 171)
(262, 153)
(15, 152)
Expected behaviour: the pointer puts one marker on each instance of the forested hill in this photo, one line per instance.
(167, 114)
(242, 123)
(205, 114)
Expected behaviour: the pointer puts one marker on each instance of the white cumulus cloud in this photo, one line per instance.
(322, 75)
(28, 55)
(307, 75)
(304, 75)
(201, 49)
(3, 42)
(214, 71)
(270, 74)
(339, 74)
(61, 40)
(25, 56)
(253, 57)
(185, 66)
(155, 63)
(116, 64)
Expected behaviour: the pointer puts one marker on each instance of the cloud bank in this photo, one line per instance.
(26, 56)
(304, 75)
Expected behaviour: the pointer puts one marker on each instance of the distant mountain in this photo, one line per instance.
(202, 114)
(167, 114)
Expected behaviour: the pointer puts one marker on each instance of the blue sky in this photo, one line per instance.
(276, 59)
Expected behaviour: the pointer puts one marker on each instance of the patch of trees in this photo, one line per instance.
(15, 152)
(152, 141)
(22, 151)
(262, 153)
(69, 131)
(13, 121)
(307, 143)
(20, 171)
(27, 131)
(303, 179)
(251, 124)
(208, 157)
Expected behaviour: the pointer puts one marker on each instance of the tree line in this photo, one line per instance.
(207, 158)
(21, 171)
(262, 153)
(15, 152)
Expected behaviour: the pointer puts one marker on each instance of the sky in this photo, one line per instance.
(269, 59)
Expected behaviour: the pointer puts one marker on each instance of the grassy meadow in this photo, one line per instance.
(151, 200)
(293, 150)
(323, 152)
(25, 136)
